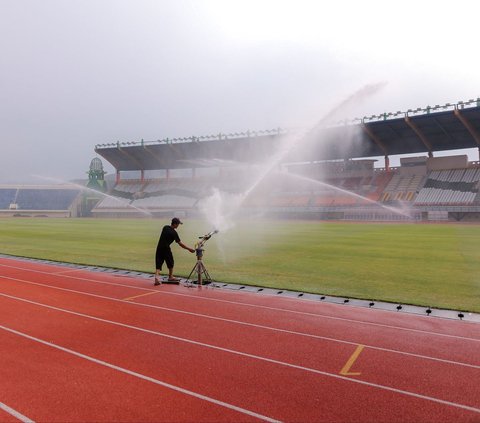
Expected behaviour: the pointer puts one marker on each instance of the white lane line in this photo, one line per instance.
(318, 315)
(15, 413)
(189, 313)
(255, 357)
(141, 376)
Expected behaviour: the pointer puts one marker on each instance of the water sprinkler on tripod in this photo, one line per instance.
(203, 277)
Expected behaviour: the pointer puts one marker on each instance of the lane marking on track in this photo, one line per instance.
(141, 376)
(63, 272)
(348, 365)
(255, 357)
(15, 413)
(138, 296)
(303, 313)
(189, 313)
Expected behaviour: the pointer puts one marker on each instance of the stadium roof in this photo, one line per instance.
(437, 128)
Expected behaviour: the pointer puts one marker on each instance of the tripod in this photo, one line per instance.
(203, 278)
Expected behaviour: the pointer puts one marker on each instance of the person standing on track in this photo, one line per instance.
(163, 252)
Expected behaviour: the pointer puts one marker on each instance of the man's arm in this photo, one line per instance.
(185, 247)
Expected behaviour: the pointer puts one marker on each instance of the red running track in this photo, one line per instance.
(86, 346)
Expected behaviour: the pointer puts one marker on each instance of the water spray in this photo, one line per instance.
(279, 156)
(403, 211)
(94, 191)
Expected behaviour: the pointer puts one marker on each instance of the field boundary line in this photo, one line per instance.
(15, 413)
(228, 350)
(222, 319)
(141, 376)
(138, 296)
(303, 313)
(63, 272)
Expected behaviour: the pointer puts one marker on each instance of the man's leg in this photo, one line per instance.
(170, 264)
(159, 259)
(157, 277)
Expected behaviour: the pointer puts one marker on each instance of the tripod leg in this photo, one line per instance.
(188, 277)
(199, 279)
(200, 271)
(208, 279)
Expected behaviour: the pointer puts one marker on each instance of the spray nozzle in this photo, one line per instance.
(205, 238)
(209, 235)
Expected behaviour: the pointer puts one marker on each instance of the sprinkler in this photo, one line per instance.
(203, 278)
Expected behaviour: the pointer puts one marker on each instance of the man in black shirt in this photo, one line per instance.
(164, 253)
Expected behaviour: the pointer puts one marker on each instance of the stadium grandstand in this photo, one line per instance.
(334, 175)
(55, 200)
(40, 200)
(341, 171)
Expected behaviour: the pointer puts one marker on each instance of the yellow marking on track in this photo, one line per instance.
(346, 369)
(141, 295)
(67, 271)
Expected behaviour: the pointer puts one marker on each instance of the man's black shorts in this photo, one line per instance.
(163, 254)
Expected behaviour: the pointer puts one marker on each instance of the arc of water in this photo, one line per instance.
(84, 188)
(349, 193)
(289, 143)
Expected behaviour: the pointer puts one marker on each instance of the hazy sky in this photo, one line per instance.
(75, 73)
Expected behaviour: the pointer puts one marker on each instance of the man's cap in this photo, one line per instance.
(176, 221)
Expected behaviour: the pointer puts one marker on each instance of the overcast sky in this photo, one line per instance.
(75, 73)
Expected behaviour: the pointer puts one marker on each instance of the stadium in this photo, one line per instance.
(276, 181)
(429, 187)
(296, 165)
(335, 172)
(353, 319)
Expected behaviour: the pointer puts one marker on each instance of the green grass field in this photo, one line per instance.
(423, 264)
